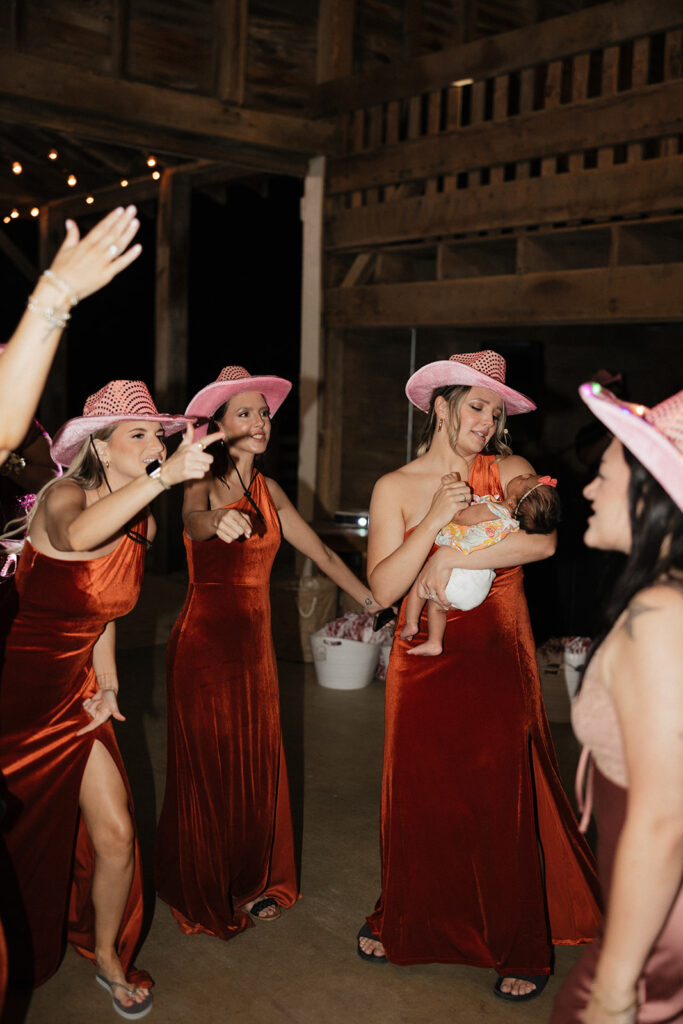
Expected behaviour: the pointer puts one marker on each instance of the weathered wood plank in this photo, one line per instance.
(639, 73)
(553, 87)
(57, 85)
(655, 109)
(601, 295)
(527, 87)
(606, 24)
(230, 49)
(628, 189)
(580, 70)
(610, 76)
(335, 39)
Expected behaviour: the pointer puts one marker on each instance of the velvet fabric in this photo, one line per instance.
(225, 832)
(47, 856)
(482, 861)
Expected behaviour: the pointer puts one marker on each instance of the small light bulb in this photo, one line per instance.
(124, 182)
(52, 155)
(151, 161)
(35, 212)
(6, 220)
(156, 175)
(16, 167)
(90, 200)
(362, 521)
(14, 214)
(459, 83)
(72, 180)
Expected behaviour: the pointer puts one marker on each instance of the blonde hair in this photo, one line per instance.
(455, 395)
(85, 470)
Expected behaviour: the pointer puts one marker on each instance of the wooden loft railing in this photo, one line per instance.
(463, 181)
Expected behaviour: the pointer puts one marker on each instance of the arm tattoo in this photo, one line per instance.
(631, 612)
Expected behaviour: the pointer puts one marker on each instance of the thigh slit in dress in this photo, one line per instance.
(47, 856)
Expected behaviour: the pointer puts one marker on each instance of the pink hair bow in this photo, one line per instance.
(549, 480)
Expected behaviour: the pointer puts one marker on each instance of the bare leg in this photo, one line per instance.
(436, 627)
(104, 805)
(414, 606)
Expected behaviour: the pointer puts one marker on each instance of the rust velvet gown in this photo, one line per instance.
(225, 831)
(47, 856)
(471, 790)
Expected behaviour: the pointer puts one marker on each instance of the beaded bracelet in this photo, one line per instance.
(62, 285)
(56, 317)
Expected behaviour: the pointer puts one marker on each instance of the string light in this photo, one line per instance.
(156, 175)
(16, 167)
(124, 182)
(6, 220)
(52, 155)
(90, 200)
(14, 214)
(461, 82)
(72, 180)
(35, 212)
(151, 161)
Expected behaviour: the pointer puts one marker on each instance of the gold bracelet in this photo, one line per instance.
(612, 1013)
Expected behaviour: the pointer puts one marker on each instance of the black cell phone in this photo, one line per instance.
(382, 617)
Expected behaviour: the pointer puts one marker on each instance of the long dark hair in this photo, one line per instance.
(656, 554)
(222, 462)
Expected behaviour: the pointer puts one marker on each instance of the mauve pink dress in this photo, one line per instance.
(660, 989)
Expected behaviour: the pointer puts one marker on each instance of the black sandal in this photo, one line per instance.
(264, 904)
(539, 980)
(365, 933)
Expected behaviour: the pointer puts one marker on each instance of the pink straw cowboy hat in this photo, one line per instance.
(116, 402)
(231, 381)
(476, 369)
(654, 436)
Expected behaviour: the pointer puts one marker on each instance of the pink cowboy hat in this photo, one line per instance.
(231, 381)
(116, 402)
(654, 436)
(476, 369)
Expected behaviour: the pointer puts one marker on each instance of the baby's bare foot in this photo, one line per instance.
(429, 648)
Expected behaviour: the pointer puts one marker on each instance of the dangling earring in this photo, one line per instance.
(440, 425)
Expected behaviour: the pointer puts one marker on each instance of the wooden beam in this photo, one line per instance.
(629, 189)
(651, 110)
(161, 141)
(311, 354)
(603, 25)
(170, 340)
(602, 295)
(230, 49)
(335, 39)
(119, 37)
(64, 87)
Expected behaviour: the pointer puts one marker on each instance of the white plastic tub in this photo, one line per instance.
(343, 664)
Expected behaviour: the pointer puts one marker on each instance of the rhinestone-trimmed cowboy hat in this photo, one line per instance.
(231, 381)
(484, 369)
(117, 402)
(654, 436)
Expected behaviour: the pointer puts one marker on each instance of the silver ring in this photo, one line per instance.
(113, 250)
(200, 445)
(430, 597)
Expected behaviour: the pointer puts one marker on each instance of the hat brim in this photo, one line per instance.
(447, 372)
(213, 396)
(650, 446)
(69, 438)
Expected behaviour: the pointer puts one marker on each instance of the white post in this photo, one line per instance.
(311, 314)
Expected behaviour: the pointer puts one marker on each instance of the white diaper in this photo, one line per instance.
(467, 588)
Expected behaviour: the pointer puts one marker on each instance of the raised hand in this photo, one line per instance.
(189, 461)
(84, 265)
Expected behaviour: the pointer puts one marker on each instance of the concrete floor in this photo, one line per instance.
(302, 968)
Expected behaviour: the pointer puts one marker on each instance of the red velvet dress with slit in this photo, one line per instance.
(47, 856)
(482, 860)
(225, 832)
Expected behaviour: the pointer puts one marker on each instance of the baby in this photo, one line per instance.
(531, 504)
